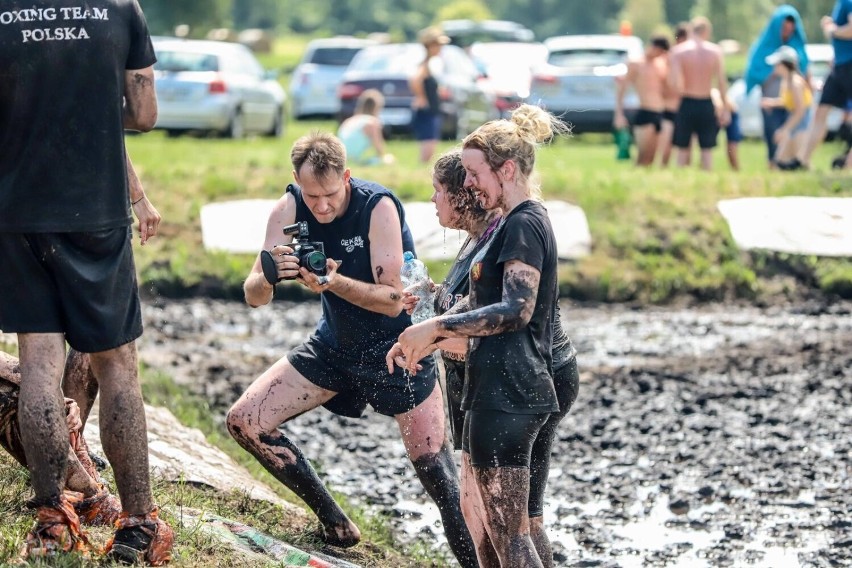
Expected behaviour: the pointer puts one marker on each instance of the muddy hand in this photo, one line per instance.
(319, 283)
(149, 219)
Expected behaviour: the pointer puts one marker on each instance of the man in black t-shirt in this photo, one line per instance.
(73, 75)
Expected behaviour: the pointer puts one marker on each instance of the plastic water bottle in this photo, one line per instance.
(415, 279)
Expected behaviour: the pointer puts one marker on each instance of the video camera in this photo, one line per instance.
(311, 254)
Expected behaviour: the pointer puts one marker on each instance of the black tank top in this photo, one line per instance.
(430, 89)
(345, 327)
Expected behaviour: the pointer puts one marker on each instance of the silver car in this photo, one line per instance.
(578, 81)
(313, 88)
(820, 56)
(216, 87)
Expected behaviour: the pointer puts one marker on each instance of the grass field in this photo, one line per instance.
(656, 233)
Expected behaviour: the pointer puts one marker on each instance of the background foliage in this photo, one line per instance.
(734, 19)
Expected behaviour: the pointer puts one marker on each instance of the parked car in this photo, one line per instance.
(578, 81)
(467, 32)
(215, 86)
(313, 88)
(508, 68)
(465, 102)
(820, 56)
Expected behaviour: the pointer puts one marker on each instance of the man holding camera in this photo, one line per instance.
(342, 365)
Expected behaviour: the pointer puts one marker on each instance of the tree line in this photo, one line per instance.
(741, 20)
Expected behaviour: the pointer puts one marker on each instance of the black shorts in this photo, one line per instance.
(696, 116)
(645, 117)
(837, 90)
(359, 382)
(426, 124)
(454, 378)
(80, 284)
(670, 115)
(494, 438)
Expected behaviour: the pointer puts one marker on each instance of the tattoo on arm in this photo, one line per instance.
(520, 289)
(379, 272)
(141, 80)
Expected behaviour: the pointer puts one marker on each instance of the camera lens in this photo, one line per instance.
(315, 261)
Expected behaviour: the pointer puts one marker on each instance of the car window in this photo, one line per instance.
(586, 58)
(176, 61)
(337, 56)
(397, 59)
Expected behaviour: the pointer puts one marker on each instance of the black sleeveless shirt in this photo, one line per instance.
(345, 327)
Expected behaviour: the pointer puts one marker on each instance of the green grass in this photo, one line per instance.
(657, 235)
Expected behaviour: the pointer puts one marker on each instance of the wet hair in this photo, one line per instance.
(323, 152)
(449, 172)
(681, 32)
(790, 19)
(516, 139)
(660, 41)
(369, 102)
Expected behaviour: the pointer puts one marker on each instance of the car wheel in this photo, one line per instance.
(277, 129)
(236, 126)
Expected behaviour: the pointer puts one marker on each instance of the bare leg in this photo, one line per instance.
(427, 150)
(279, 394)
(124, 433)
(41, 413)
(646, 142)
(504, 492)
(816, 134)
(683, 157)
(424, 435)
(79, 382)
(474, 516)
(734, 156)
(665, 142)
(541, 542)
(707, 159)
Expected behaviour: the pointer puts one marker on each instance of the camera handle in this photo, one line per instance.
(270, 269)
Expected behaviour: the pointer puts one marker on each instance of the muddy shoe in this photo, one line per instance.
(143, 539)
(57, 530)
(101, 509)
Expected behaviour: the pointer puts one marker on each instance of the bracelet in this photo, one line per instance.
(137, 201)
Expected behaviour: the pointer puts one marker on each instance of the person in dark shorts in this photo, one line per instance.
(65, 239)
(363, 229)
(509, 394)
(426, 106)
(695, 117)
(457, 208)
(837, 89)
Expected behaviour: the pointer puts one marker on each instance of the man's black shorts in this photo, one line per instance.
(362, 381)
(837, 90)
(79, 284)
(645, 117)
(695, 116)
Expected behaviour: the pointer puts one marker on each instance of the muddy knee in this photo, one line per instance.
(240, 425)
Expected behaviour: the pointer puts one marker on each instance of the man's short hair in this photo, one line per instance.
(701, 26)
(681, 32)
(323, 152)
(661, 42)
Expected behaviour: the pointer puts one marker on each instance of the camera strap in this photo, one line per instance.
(270, 270)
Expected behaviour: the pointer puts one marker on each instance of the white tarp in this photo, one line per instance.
(819, 226)
(240, 226)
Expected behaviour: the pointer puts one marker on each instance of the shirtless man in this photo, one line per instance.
(671, 98)
(648, 79)
(695, 65)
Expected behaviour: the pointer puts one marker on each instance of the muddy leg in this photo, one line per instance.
(79, 382)
(425, 438)
(41, 413)
(474, 516)
(504, 492)
(278, 395)
(123, 428)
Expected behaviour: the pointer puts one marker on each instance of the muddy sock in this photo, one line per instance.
(437, 473)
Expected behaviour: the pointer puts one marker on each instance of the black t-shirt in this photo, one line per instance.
(62, 65)
(344, 327)
(512, 371)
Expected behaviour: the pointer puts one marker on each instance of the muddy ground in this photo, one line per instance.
(717, 436)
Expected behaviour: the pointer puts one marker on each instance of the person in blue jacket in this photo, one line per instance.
(784, 28)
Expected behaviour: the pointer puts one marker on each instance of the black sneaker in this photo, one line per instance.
(792, 165)
(144, 539)
(129, 545)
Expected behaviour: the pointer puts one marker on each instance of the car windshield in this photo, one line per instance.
(402, 59)
(587, 58)
(337, 56)
(176, 61)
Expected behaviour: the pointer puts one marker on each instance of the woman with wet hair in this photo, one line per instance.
(509, 394)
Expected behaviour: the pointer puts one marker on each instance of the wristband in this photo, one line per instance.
(137, 201)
